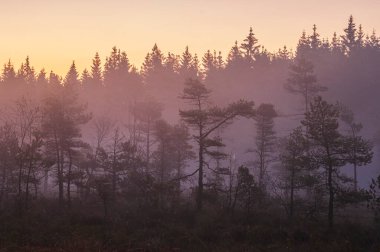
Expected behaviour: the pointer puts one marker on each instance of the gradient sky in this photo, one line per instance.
(55, 32)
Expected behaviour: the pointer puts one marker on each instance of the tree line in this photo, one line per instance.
(57, 144)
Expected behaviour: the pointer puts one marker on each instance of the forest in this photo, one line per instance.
(255, 151)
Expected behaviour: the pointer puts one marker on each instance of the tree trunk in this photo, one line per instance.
(200, 178)
(291, 207)
(69, 180)
(331, 191)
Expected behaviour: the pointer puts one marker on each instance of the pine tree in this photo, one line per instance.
(186, 64)
(26, 73)
(336, 46)
(235, 57)
(360, 37)
(42, 80)
(171, 63)
(111, 66)
(219, 61)
(373, 41)
(329, 149)
(85, 79)
(359, 150)
(303, 81)
(294, 159)
(205, 120)
(157, 58)
(250, 47)
(283, 54)
(349, 40)
(71, 79)
(303, 46)
(208, 63)
(54, 80)
(8, 75)
(315, 42)
(153, 65)
(265, 140)
(96, 71)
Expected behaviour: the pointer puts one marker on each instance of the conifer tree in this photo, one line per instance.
(96, 71)
(54, 80)
(72, 77)
(205, 120)
(208, 63)
(250, 47)
(349, 39)
(85, 79)
(303, 45)
(265, 140)
(235, 57)
(8, 75)
(360, 37)
(303, 81)
(315, 42)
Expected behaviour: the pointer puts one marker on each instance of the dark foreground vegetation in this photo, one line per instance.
(84, 228)
(178, 157)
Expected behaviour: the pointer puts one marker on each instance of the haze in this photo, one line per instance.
(189, 126)
(53, 32)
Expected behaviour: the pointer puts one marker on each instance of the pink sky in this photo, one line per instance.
(55, 32)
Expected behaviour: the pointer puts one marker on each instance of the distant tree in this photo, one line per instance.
(208, 63)
(235, 57)
(85, 79)
(359, 150)
(246, 190)
(294, 159)
(349, 39)
(72, 77)
(187, 65)
(62, 117)
(26, 73)
(265, 139)
(146, 113)
(8, 161)
(55, 81)
(303, 46)
(153, 66)
(27, 121)
(283, 54)
(373, 41)
(171, 63)
(360, 37)
(336, 47)
(96, 71)
(302, 81)
(315, 42)
(205, 120)
(42, 80)
(111, 66)
(219, 62)
(117, 69)
(250, 47)
(8, 75)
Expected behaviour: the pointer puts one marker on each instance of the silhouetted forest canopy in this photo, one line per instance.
(255, 151)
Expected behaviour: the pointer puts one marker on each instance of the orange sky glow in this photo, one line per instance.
(54, 33)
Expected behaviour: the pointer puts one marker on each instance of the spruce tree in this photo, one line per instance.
(349, 40)
(72, 77)
(96, 71)
(250, 47)
(302, 81)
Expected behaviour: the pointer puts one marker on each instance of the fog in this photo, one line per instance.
(197, 132)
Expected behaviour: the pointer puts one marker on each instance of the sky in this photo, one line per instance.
(53, 33)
